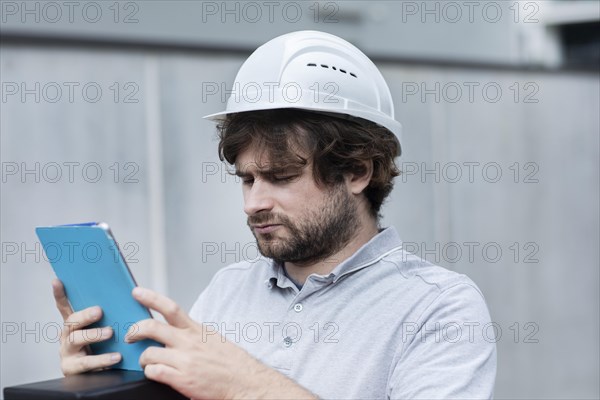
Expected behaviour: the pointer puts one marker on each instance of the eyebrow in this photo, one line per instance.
(268, 172)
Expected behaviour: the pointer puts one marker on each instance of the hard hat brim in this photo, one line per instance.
(393, 126)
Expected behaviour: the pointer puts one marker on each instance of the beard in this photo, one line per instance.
(314, 236)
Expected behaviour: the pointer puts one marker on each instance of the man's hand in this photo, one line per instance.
(74, 340)
(200, 363)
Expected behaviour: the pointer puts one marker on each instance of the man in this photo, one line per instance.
(335, 308)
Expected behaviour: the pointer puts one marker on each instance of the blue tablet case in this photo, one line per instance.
(87, 260)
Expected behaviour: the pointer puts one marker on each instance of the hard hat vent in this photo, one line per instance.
(333, 68)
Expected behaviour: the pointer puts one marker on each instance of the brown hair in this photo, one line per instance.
(334, 145)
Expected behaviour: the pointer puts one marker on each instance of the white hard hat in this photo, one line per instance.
(313, 71)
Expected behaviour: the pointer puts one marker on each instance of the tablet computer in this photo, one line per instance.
(87, 259)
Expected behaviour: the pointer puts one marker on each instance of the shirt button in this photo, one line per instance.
(287, 341)
(298, 307)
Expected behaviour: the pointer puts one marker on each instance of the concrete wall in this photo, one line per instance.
(181, 215)
(487, 31)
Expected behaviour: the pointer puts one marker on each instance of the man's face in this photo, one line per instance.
(291, 217)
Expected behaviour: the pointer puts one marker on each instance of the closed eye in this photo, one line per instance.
(284, 179)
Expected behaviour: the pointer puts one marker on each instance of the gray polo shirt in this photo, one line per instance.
(383, 324)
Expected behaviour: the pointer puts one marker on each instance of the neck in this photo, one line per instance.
(299, 272)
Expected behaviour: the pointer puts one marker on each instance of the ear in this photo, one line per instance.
(357, 183)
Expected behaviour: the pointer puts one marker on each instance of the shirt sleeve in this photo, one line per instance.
(201, 307)
(450, 352)
(196, 310)
(209, 302)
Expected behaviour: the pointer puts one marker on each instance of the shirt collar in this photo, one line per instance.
(385, 242)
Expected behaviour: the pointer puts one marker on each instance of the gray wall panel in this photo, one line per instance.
(475, 31)
(95, 135)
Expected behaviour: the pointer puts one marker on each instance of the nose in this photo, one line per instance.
(258, 198)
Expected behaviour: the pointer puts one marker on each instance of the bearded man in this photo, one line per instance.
(335, 308)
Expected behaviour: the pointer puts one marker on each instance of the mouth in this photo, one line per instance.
(265, 228)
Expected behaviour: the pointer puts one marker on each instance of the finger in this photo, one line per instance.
(77, 365)
(62, 303)
(81, 319)
(152, 329)
(160, 355)
(164, 305)
(83, 337)
(164, 374)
